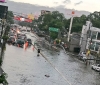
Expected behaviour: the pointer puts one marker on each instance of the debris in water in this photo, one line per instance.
(47, 76)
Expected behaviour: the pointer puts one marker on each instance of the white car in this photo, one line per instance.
(96, 67)
(82, 55)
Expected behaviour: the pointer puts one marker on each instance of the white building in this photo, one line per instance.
(90, 37)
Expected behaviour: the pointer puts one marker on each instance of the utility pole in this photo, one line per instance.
(3, 16)
(70, 27)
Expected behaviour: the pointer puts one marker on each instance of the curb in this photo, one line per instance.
(45, 40)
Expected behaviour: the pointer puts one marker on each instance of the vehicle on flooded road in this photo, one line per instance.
(96, 67)
(82, 56)
(29, 41)
(19, 43)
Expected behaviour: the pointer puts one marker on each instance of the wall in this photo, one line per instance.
(84, 36)
(74, 42)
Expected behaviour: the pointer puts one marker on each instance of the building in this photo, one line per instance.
(90, 37)
(74, 43)
(45, 12)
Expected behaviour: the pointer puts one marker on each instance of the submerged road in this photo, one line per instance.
(25, 68)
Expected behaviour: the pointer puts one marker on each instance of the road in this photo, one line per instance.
(25, 68)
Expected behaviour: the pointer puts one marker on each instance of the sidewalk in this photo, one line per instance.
(47, 44)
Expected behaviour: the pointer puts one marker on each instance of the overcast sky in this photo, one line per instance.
(87, 5)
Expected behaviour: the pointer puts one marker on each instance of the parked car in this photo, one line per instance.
(96, 67)
(82, 55)
(29, 41)
(19, 42)
(11, 40)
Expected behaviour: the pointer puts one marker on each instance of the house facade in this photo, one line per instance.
(90, 38)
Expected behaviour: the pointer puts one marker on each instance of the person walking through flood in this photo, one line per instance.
(26, 45)
(88, 56)
(38, 50)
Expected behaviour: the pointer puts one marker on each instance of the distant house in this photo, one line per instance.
(45, 12)
(74, 42)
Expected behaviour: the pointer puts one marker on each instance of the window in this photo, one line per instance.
(98, 37)
(89, 33)
(97, 46)
(94, 35)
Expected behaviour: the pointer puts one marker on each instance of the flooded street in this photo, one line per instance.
(49, 42)
(25, 68)
(73, 69)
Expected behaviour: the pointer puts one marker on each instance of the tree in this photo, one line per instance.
(57, 20)
(53, 35)
(77, 27)
(94, 18)
(78, 22)
(54, 19)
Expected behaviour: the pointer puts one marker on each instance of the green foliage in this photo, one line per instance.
(8, 27)
(57, 20)
(53, 35)
(95, 19)
(3, 79)
(5, 37)
(57, 41)
(54, 19)
(76, 27)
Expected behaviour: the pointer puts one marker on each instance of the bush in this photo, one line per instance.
(53, 35)
(3, 79)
